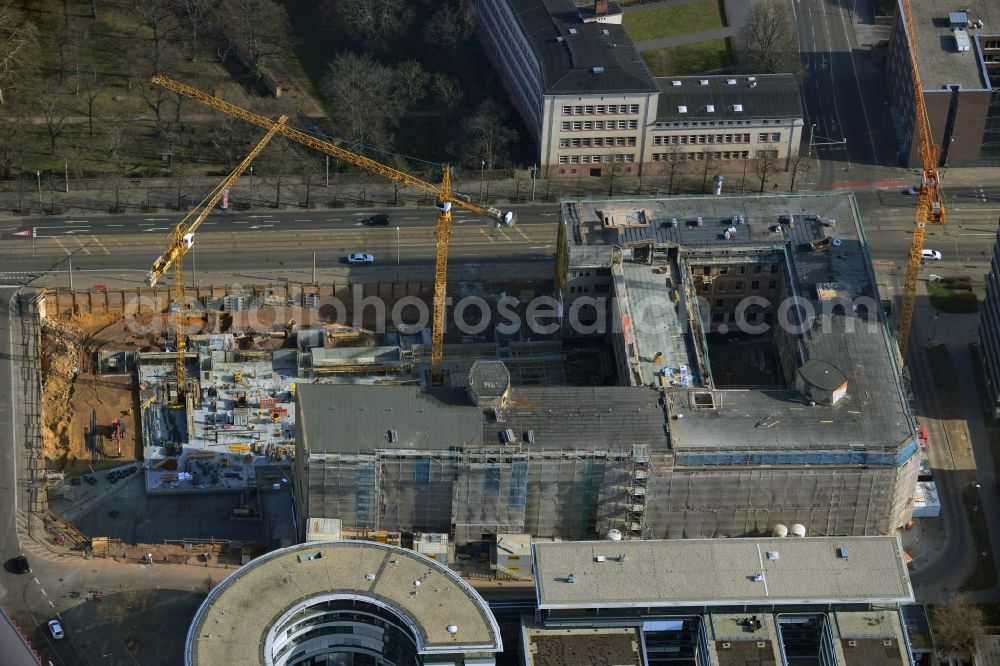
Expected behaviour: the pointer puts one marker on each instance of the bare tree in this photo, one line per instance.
(447, 90)
(482, 136)
(93, 90)
(708, 157)
(956, 623)
(371, 22)
(799, 165)
(116, 137)
(411, 82)
(674, 161)
(12, 145)
(18, 38)
(255, 31)
(767, 42)
(157, 17)
(611, 170)
(277, 165)
(61, 34)
(367, 98)
(53, 112)
(764, 166)
(128, 608)
(450, 26)
(194, 13)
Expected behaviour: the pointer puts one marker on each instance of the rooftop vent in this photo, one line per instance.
(529, 437)
(738, 108)
(731, 82)
(452, 629)
(842, 553)
(675, 82)
(962, 43)
(605, 32)
(758, 578)
(773, 555)
(599, 558)
(682, 109)
(958, 19)
(751, 79)
(559, 38)
(507, 436)
(710, 108)
(597, 70)
(310, 557)
(572, 31)
(703, 82)
(571, 578)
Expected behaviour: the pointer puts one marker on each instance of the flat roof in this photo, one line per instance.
(576, 646)
(720, 572)
(717, 97)
(939, 62)
(578, 57)
(348, 418)
(874, 413)
(232, 623)
(351, 418)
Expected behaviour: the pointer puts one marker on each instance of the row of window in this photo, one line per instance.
(773, 137)
(720, 288)
(586, 142)
(722, 155)
(740, 270)
(587, 125)
(591, 109)
(596, 159)
(684, 139)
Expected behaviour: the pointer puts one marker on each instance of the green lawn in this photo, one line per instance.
(953, 294)
(690, 18)
(689, 58)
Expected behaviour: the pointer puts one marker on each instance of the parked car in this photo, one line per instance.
(910, 190)
(930, 255)
(55, 628)
(21, 565)
(360, 258)
(379, 220)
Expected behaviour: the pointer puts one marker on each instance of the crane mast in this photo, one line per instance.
(443, 194)
(930, 201)
(181, 239)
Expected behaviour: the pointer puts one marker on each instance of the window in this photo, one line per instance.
(622, 124)
(675, 139)
(630, 157)
(741, 270)
(563, 143)
(746, 138)
(585, 142)
(745, 155)
(656, 140)
(620, 141)
(584, 159)
(599, 124)
(612, 108)
(630, 141)
(590, 110)
(701, 138)
(776, 136)
(757, 268)
(576, 143)
(634, 108)
(577, 125)
(725, 154)
(633, 124)
(579, 111)
(711, 138)
(755, 285)
(598, 141)
(587, 125)
(727, 138)
(738, 286)
(574, 159)
(600, 108)
(684, 139)
(563, 159)
(567, 110)
(724, 270)
(762, 136)
(565, 126)
(774, 268)
(596, 159)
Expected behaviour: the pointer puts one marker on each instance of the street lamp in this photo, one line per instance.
(812, 133)
(251, 187)
(937, 316)
(482, 178)
(397, 254)
(975, 507)
(39, 174)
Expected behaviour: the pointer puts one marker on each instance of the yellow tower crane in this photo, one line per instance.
(443, 194)
(930, 201)
(181, 239)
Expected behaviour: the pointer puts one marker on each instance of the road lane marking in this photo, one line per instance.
(157, 229)
(114, 225)
(101, 245)
(76, 221)
(83, 246)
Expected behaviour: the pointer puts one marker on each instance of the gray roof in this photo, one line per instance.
(696, 572)
(874, 414)
(570, 417)
(348, 418)
(823, 375)
(489, 378)
(567, 64)
(940, 64)
(351, 418)
(15, 648)
(761, 96)
(232, 623)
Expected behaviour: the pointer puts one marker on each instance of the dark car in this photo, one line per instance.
(21, 565)
(379, 220)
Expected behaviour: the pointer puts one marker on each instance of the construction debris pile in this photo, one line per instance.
(60, 351)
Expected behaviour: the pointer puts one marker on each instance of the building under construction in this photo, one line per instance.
(730, 417)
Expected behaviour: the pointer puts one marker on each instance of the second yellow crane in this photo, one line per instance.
(181, 239)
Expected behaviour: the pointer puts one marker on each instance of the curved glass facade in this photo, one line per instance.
(341, 632)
